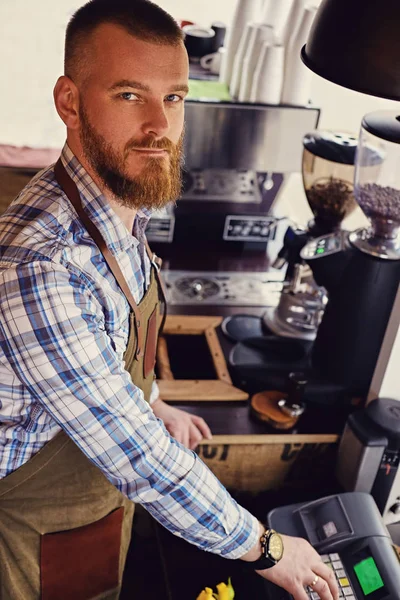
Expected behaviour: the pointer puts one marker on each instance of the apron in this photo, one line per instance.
(64, 528)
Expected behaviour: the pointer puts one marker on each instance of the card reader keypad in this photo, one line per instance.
(346, 591)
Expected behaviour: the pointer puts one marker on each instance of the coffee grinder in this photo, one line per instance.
(328, 175)
(361, 273)
(361, 270)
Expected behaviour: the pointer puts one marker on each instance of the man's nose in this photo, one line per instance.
(155, 121)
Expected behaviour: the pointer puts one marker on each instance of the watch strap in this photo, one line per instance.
(262, 563)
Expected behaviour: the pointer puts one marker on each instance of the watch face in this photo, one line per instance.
(275, 546)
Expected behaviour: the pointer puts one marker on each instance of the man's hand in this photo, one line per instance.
(298, 568)
(184, 427)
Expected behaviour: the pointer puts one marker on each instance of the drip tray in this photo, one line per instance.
(223, 288)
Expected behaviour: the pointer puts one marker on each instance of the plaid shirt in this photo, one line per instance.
(63, 332)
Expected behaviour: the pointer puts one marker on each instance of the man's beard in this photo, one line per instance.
(158, 183)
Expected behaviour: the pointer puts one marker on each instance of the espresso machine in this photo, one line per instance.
(213, 241)
(328, 175)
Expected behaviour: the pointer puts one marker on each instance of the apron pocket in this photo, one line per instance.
(81, 563)
(151, 344)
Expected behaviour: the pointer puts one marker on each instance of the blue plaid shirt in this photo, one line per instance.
(63, 332)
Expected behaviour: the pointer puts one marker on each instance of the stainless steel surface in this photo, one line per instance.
(366, 241)
(300, 309)
(240, 136)
(222, 288)
(357, 464)
(223, 185)
(161, 226)
(284, 329)
(293, 410)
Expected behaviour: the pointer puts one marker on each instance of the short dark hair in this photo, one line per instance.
(140, 18)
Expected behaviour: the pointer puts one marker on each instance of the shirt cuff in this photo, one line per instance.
(155, 393)
(242, 539)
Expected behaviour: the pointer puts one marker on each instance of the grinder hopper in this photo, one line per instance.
(377, 185)
(328, 176)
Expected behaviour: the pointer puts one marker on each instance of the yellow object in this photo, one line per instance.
(344, 582)
(224, 592)
(206, 594)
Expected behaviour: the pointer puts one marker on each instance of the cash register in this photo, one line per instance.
(348, 532)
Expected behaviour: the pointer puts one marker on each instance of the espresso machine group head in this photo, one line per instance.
(328, 176)
(361, 270)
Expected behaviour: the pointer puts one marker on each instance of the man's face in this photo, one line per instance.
(131, 116)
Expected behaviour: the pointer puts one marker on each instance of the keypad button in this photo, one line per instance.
(324, 558)
(344, 582)
(337, 564)
(340, 573)
(347, 591)
(334, 556)
(314, 596)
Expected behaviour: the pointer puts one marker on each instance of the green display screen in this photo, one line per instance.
(320, 250)
(368, 576)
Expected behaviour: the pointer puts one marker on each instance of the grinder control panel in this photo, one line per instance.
(348, 532)
(324, 246)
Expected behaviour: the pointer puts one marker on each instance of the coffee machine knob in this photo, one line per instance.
(395, 508)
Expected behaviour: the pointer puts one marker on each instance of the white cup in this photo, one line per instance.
(260, 34)
(268, 75)
(237, 67)
(212, 62)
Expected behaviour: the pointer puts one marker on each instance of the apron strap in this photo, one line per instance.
(69, 187)
(156, 261)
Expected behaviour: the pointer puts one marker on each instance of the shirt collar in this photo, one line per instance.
(114, 232)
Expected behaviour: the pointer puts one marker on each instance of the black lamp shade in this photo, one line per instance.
(356, 44)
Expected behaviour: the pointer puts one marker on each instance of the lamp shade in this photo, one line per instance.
(356, 44)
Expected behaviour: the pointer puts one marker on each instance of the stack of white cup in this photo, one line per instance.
(262, 59)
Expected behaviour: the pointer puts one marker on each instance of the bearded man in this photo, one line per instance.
(83, 433)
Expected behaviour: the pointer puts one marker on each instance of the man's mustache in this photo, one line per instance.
(151, 143)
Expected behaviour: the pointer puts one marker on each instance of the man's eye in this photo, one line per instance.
(174, 98)
(128, 96)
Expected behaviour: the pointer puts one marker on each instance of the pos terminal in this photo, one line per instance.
(348, 532)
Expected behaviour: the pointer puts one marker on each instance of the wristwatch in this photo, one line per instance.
(271, 551)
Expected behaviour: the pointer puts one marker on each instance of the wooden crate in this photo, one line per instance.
(183, 390)
(256, 463)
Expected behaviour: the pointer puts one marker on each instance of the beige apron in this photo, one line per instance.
(64, 528)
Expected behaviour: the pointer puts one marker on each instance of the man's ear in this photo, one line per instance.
(66, 100)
